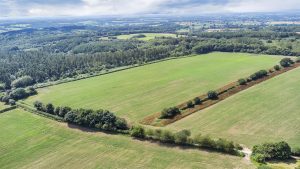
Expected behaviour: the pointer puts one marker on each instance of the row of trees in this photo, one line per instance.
(99, 119)
(183, 137)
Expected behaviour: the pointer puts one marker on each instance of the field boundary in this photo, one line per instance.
(8, 109)
(223, 93)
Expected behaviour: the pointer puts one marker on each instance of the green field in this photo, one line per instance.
(2, 106)
(266, 112)
(138, 92)
(149, 36)
(31, 141)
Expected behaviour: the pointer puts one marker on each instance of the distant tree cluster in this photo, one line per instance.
(99, 119)
(17, 94)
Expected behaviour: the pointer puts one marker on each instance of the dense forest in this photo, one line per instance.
(54, 53)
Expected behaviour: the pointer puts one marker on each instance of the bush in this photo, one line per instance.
(259, 74)
(19, 93)
(242, 82)
(197, 101)
(121, 124)
(189, 104)
(212, 95)
(167, 136)
(63, 111)
(298, 59)
(5, 99)
(38, 105)
(50, 108)
(270, 151)
(138, 132)
(260, 158)
(23, 82)
(286, 62)
(12, 102)
(277, 67)
(296, 151)
(181, 137)
(169, 112)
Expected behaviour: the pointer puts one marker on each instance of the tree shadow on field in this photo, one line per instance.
(91, 130)
(289, 161)
(179, 146)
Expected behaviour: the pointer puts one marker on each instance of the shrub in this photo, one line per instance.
(269, 151)
(167, 136)
(70, 117)
(298, 59)
(5, 99)
(138, 132)
(38, 105)
(2, 86)
(181, 137)
(277, 67)
(19, 93)
(50, 108)
(121, 124)
(286, 62)
(169, 112)
(212, 95)
(296, 151)
(22, 82)
(189, 104)
(259, 74)
(242, 82)
(197, 101)
(260, 158)
(12, 102)
(63, 111)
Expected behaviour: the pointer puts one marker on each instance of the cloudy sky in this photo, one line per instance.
(24, 8)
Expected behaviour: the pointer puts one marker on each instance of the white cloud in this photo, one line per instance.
(128, 7)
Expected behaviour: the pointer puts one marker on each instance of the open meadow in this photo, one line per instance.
(148, 36)
(31, 141)
(266, 112)
(138, 92)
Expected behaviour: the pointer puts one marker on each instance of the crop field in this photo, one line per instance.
(31, 141)
(149, 36)
(266, 112)
(138, 92)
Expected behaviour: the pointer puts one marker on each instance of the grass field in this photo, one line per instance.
(138, 92)
(31, 141)
(149, 36)
(266, 112)
(2, 106)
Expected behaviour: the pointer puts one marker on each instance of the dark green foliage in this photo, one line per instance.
(270, 151)
(286, 62)
(49, 108)
(22, 82)
(197, 101)
(189, 104)
(242, 82)
(277, 67)
(5, 99)
(38, 105)
(258, 75)
(169, 112)
(137, 132)
(100, 119)
(212, 95)
(19, 93)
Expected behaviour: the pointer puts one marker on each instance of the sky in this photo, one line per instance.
(49, 8)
